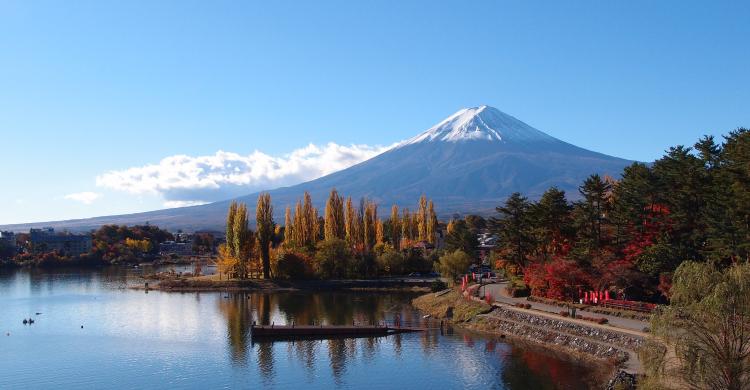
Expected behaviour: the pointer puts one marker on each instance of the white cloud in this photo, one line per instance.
(181, 178)
(86, 197)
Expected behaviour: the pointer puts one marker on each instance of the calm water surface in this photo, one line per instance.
(133, 339)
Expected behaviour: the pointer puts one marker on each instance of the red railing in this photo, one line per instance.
(628, 305)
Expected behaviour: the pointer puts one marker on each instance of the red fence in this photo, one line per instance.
(629, 305)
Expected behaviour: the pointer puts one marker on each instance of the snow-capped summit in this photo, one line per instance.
(480, 123)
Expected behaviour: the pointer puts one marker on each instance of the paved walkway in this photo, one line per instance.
(497, 291)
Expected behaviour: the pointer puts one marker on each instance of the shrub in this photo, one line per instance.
(517, 288)
(293, 266)
(414, 261)
(453, 264)
(438, 285)
(391, 262)
(518, 292)
(333, 258)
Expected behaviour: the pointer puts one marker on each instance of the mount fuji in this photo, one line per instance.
(468, 163)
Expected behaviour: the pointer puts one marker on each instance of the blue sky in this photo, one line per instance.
(94, 95)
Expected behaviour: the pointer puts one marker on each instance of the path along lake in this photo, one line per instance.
(92, 331)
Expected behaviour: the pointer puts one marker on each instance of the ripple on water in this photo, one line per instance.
(170, 340)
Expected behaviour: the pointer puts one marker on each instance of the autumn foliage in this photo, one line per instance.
(628, 235)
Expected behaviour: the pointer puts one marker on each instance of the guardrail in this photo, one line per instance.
(629, 305)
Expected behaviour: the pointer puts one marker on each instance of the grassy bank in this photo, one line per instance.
(451, 306)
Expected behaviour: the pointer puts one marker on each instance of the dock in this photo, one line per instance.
(296, 331)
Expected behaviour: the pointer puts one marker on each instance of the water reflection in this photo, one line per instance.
(239, 318)
(203, 340)
(513, 368)
(241, 310)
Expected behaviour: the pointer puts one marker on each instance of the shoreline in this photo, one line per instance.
(95, 263)
(210, 284)
(604, 345)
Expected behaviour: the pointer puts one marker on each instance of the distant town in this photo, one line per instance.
(107, 245)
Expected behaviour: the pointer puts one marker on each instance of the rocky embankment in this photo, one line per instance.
(596, 342)
(581, 340)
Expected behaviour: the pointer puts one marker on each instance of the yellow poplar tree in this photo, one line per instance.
(395, 222)
(406, 226)
(368, 225)
(432, 223)
(298, 232)
(306, 225)
(422, 219)
(288, 228)
(229, 232)
(265, 228)
(242, 240)
(379, 233)
(451, 226)
(311, 221)
(334, 223)
(350, 217)
(226, 263)
(414, 227)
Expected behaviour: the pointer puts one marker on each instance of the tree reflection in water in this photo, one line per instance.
(528, 368)
(306, 351)
(241, 310)
(265, 361)
(236, 309)
(512, 366)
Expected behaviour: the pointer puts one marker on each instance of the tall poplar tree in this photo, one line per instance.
(379, 232)
(306, 224)
(422, 217)
(406, 228)
(241, 240)
(432, 223)
(350, 221)
(395, 224)
(265, 229)
(298, 230)
(334, 217)
(369, 225)
(229, 232)
(288, 228)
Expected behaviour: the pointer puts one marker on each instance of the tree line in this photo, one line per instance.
(347, 240)
(630, 235)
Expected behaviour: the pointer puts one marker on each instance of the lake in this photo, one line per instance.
(95, 332)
